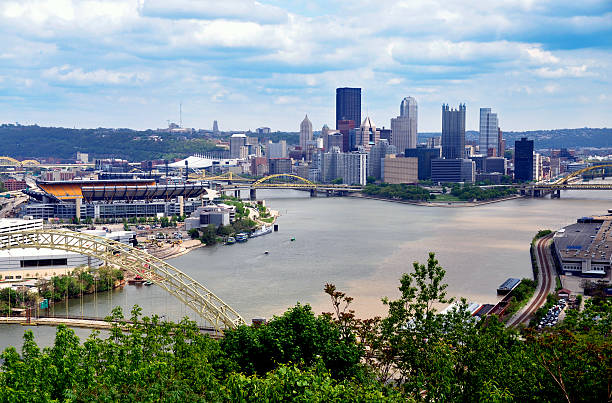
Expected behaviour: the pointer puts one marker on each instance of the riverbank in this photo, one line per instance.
(451, 204)
(177, 250)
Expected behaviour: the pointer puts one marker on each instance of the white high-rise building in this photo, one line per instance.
(489, 132)
(404, 127)
(537, 167)
(276, 150)
(305, 132)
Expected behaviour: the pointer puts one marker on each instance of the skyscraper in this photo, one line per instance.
(324, 133)
(404, 127)
(523, 159)
(305, 132)
(375, 156)
(348, 105)
(367, 135)
(453, 132)
(215, 127)
(237, 141)
(488, 132)
(501, 143)
(345, 127)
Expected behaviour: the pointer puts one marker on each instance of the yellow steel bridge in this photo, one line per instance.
(183, 287)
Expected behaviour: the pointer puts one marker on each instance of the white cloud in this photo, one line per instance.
(243, 10)
(448, 52)
(395, 81)
(562, 72)
(222, 55)
(76, 76)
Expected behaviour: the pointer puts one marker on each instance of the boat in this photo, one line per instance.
(266, 252)
(292, 239)
(262, 231)
(508, 286)
(136, 281)
(148, 283)
(242, 237)
(230, 241)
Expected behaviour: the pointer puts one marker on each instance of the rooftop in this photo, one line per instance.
(586, 240)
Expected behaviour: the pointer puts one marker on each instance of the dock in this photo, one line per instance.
(508, 286)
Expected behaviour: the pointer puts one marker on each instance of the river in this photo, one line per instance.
(363, 246)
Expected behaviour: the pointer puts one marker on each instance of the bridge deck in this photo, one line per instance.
(78, 321)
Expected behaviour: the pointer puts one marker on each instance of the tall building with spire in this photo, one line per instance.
(453, 132)
(489, 133)
(367, 135)
(305, 132)
(404, 127)
(215, 127)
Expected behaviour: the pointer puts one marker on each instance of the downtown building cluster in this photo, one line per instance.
(356, 150)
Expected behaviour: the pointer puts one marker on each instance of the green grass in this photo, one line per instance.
(445, 198)
(269, 220)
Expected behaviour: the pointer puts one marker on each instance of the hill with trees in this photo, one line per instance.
(413, 353)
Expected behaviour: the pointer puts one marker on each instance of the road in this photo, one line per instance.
(11, 204)
(546, 283)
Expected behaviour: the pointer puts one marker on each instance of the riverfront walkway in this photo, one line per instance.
(546, 282)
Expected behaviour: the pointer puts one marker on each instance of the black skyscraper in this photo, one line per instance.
(348, 105)
(453, 132)
(523, 160)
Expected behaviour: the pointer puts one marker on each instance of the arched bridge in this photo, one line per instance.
(190, 292)
(566, 179)
(292, 181)
(565, 183)
(9, 161)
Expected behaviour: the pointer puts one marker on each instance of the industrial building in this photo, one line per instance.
(21, 263)
(206, 215)
(585, 248)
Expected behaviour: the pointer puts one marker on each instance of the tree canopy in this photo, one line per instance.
(413, 353)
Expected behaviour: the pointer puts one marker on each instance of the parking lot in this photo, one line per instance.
(552, 316)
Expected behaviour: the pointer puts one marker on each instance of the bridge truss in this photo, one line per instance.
(187, 290)
(12, 162)
(565, 180)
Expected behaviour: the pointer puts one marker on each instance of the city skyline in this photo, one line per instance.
(131, 64)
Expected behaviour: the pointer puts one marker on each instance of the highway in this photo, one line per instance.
(7, 206)
(546, 283)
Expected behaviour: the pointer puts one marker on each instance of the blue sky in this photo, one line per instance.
(129, 63)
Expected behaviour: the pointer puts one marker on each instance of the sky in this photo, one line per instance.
(248, 64)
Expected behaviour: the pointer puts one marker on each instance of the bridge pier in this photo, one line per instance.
(313, 192)
(237, 193)
(328, 193)
(253, 194)
(555, 194)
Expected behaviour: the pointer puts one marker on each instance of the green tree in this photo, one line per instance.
(194, 233)
(209, 234)
(298, 336)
